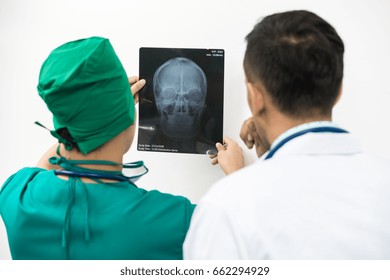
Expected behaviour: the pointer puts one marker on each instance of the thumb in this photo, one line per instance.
(228, 141)
(219, 147)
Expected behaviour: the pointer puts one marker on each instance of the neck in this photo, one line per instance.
(281, 123)
(107, 152)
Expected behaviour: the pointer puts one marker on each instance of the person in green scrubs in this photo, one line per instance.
(77, 203)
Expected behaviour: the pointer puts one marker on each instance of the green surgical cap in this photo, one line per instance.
(85, 86)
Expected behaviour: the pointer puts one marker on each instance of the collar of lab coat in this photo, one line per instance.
(320, 144)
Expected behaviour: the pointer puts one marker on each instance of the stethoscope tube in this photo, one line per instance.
(325, 129)
(91, 175)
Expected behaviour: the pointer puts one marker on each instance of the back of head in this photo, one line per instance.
(298, 57)
(85, 86)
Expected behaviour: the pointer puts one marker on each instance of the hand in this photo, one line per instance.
(230, 156)
(250, 137)
(136, 85)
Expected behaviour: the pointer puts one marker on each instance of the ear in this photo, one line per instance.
(255, 98)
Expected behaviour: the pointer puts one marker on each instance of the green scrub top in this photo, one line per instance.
(47, 219)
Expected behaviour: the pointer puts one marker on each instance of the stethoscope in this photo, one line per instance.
(100, 176)
(300, 133)
(71, 168)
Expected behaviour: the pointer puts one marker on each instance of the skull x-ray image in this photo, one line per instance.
(180, 87)
(181, 106)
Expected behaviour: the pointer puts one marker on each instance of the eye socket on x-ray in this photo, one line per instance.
(196, 96)
(169, 94)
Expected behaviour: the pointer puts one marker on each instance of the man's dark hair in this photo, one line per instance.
(64, 133)
(298, 57)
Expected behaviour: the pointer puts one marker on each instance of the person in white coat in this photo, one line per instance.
(313, 193)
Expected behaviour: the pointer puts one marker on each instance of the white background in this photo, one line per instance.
(29, 30)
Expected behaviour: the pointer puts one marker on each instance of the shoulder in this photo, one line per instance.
(377, 160)
(22, 177)
(169, 200)
(165, 204)
(15, 186)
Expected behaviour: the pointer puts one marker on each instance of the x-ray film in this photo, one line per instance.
(181, 105)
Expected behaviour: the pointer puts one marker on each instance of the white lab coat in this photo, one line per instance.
(319, 197)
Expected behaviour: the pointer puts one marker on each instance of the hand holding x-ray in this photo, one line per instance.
(230, 156)
(136, 85)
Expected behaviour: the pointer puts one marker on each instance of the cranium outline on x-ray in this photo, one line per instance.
(180, 87)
